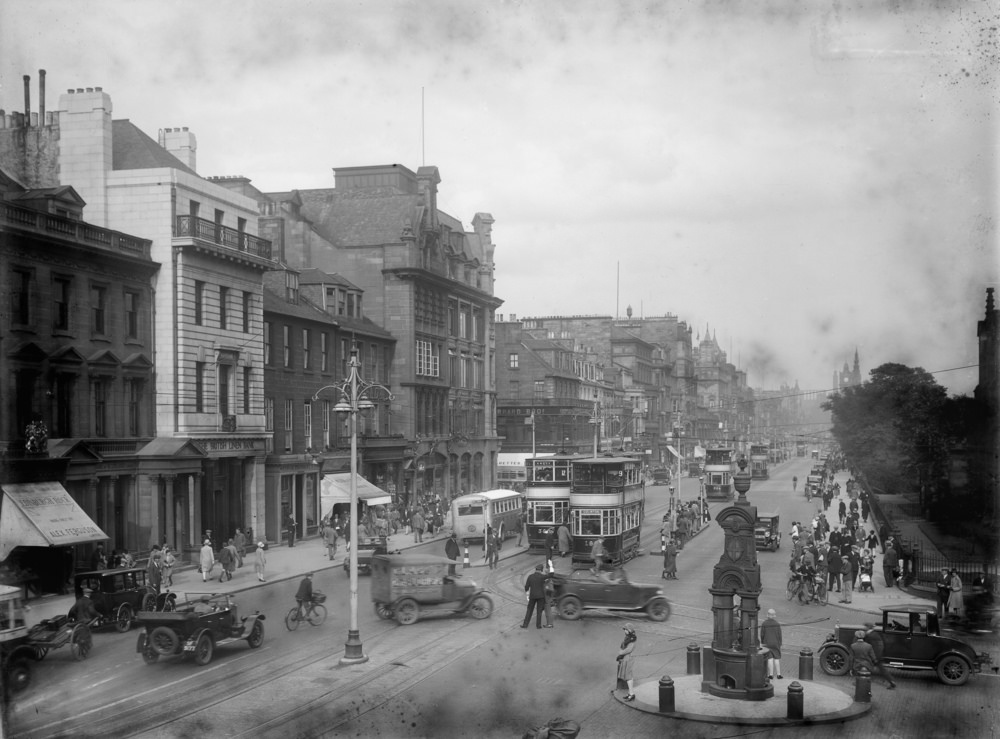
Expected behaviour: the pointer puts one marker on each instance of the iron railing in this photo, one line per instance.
(205, 230)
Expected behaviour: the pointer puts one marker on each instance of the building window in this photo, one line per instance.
(199, 302)
(199, 387)
(341, 303)
(307, 422)
(324, 352)
(465, 372)
(133, 392)
(305, 348)
(247, 377)
(98, 309)
(513, 360)
(20, 296)
(373, 360)
(343, 357)
(539, 389)
(515, 389)
(452, 318)
(462, 323)
(64, 405)
(247, 306)
(286, 333)
(267, 342)
(350, 304)
(100, 392)
(427, 359)
(131, 314)
(223, 309)
(269, 414)
(61, 287)
(291, 287)
(289, 418)
(225, 383)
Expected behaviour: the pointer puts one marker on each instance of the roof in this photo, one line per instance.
(304, 308)
(133, 149)
(314, 276)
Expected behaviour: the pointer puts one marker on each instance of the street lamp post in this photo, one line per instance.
(595, 420)
(354, 397)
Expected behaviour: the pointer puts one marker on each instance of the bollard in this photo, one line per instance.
(694, 659)
(465, 560)
(806, 664)
(666, 694)
(663, 542)
(796, 701)
(862, 685)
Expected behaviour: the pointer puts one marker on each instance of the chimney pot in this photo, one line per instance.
(98, 89)
(90, 89)
(71, 91)
(79, 89)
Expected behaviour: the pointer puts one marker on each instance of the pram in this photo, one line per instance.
(865, 583)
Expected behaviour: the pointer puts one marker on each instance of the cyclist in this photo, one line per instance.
(795, 483)
(304, 595)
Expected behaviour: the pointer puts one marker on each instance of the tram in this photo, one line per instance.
(546, 493)
(607, 500)
(472, 513)
(719, 474)
(759, 459)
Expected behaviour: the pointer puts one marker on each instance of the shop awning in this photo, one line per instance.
(336, 488)
(672, 451)
(43, 514)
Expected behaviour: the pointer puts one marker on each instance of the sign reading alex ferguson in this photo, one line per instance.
(232, 444)
(43, 514)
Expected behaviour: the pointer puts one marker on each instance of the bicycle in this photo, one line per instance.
(315, 613)
(808, 591)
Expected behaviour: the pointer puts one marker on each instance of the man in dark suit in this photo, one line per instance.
(534, 588)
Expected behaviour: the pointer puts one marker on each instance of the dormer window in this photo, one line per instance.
(291, 287)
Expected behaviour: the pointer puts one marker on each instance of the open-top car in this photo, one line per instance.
(610, 590)
(404, 586)
(118, 595)
(767, 531)
(912, 641)
(197, 626)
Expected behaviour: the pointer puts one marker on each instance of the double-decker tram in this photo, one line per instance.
(546, 493)
(472, 513)
(606, 500)
(719, 474)
(759, 459)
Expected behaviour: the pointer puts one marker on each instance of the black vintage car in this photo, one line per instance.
(118, 595)
(197, 627)
(912, 642)
(610, 590)
(767, 531)
(367, 549)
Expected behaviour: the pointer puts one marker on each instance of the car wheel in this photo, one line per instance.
(953, 670)
(256, 637)
(481, 607)
(203, 650)
(407, 612)
(80, 642)
(317, 615)
(163, 640)
(148, 602)
(292, 619)
(124, 621)
(570, 608)
(18, 675)
(658, 609)
(835, 661)
(383, 611)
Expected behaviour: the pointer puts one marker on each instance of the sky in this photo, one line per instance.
(802, 179)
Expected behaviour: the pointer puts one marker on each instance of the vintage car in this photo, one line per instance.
(197, 626)
(119, 595)
(406, 585)
(661, 476)
(814, 484)
(368, 548)
(912, 642)
(610, 590)
(20, 645)
(767, 531)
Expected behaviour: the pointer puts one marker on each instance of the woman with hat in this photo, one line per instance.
(259, 561)
(207, 560)
(625, 661)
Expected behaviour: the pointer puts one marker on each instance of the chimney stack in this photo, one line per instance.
(27, 100)
(41, 97)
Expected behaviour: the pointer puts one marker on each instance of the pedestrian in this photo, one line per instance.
(84, 610)
(669, 560)
(534, 590)
(550, 597)
(851, 564)
(291, 523)
(330, 539)
(550, 543)
(598, 554)
(167, 562)
(565, 540)
(451, 552)
(226, 559)
(943, 586)
(260, 561)
(519, 523)
(234, 558)
(873, 639)
(956, 604)
(835, 566)
(883, 535)
(626, 661)
(770, 637)
(99, 560)
(304, 595)
(153, 574)
(417, 522)
(240, 540)
(889, 560)
(493, 548)
(207, 560)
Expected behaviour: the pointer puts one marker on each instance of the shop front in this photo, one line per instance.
(230, 493)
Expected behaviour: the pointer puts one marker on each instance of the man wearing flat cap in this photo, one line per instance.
(872, 638)
(83, 610)
(534, 589)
